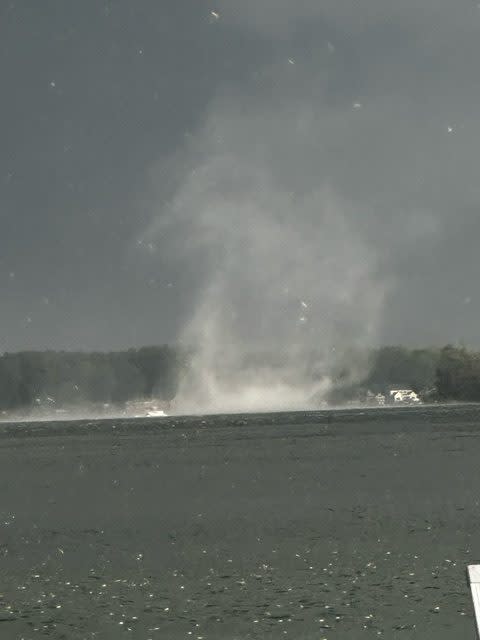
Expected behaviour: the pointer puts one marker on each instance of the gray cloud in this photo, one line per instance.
(371, 106)
(277, 18)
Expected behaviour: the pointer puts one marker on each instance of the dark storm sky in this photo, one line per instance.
(104, 107)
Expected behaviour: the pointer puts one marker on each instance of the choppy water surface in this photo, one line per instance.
(345, 524)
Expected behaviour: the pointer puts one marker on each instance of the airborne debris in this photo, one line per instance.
(215, 14)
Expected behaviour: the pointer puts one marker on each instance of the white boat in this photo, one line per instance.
(156, 413)
(145, 409)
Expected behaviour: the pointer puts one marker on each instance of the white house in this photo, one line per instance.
(404, 396)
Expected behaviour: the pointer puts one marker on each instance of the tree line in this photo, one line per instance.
(61, 378)
(450, 373)
(34, 378)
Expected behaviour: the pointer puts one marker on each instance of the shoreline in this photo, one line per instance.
(339, 409)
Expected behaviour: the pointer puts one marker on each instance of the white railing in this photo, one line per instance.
(473, 575)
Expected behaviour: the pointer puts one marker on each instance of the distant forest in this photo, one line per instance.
(436, 374)
(62, 378)
(30, 379)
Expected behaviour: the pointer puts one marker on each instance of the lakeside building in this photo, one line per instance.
(404, 396)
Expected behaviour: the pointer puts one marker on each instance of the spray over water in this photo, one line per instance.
(284, 280)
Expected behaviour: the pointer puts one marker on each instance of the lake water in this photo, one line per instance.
(343, 524)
